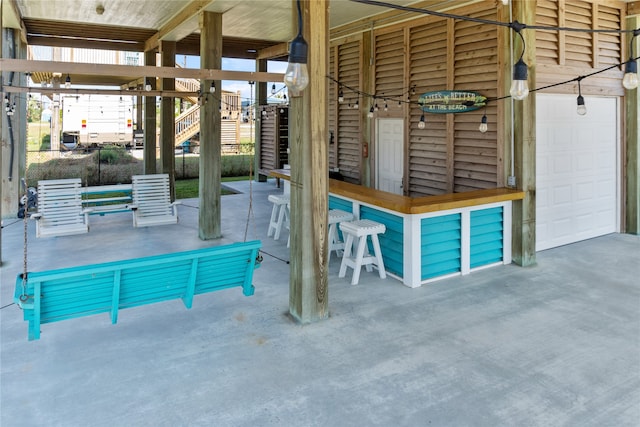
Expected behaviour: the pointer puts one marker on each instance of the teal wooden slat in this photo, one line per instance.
(338, 203)
(191, 284)
(486, 236)
(391, 242)
(440, 245)
(108, 287)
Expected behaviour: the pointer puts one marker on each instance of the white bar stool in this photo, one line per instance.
(360, 230)
(336, 216)
(279, 214)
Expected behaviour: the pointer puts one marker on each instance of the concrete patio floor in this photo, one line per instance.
(556, 344)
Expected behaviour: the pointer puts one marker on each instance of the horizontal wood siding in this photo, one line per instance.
(268, 154)
(391, 242)
(568, 54)
(428, 146)
(486, 236)
(475, 154)
(342, 204)
(389, 68)
(349, 151)
(440, 245)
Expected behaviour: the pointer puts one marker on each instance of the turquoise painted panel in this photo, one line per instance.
(486, 236)
(342, 204)
(104, 288)
(391, 242)
(440, 245)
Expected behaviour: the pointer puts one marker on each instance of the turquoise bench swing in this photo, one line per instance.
(67, 293)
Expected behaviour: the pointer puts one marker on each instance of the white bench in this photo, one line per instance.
(60, 211)
(152, 201)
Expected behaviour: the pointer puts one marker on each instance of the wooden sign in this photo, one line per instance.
(451, 101)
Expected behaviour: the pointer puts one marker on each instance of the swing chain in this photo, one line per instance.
(24, 296)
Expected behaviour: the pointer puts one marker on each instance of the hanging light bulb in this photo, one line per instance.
(630, 80)
(386, 107)
(147, 85)
(370, 114)
(273, 89)
(519, 86)
(340, 97)
(356, 105)
(376, 106)
(212, 88)
(421, 123)
(67, 82)
(483, 124)
(296, 77)
(399, 104)
(582, 109)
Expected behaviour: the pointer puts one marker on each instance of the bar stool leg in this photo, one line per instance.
(281, 218)
(362, 245)
(346, 255)
(378, 255)
(272, 221)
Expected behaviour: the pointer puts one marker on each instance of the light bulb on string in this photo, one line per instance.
(630, 79)
(67, 82)
(519, 85)
(386, 107)
(483, 124)
(421, 123)
(273, 89)
(356, 105)
(582, 109)
(296, 77)
(340, 97)
(371, 110)
(212, 88)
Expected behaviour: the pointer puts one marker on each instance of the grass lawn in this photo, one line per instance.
(188, 188)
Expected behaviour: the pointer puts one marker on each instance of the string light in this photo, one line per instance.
(630, 79)
(273, 89)
(340, 96)
(296, 77)
(147, 85)
(519, 86)
(67, 82)
(212, 88)
(582, 109)
(483, 124)
(370, 114)
(421, 123)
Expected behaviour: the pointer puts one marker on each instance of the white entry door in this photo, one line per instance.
(577, 188)
(389, 155)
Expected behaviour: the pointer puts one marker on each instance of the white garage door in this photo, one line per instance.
(576, 170)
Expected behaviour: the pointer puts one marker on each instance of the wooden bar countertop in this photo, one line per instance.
(414, 205)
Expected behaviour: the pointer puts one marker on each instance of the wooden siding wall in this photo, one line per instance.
(564, 55)
(432, 54)
(475, 154)
(346, 125)
(333, 110)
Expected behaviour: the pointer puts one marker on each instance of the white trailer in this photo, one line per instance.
(94, 120)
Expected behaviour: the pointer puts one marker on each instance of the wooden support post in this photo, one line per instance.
(150, 119)
(209, 218)
(632, 155)
(308, 123)
(167, 118)
(524, 212)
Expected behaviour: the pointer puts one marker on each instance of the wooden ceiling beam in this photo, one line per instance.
(133, 71)
(188, 12)
(273, 52)
(123, 92)
(84, 43)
